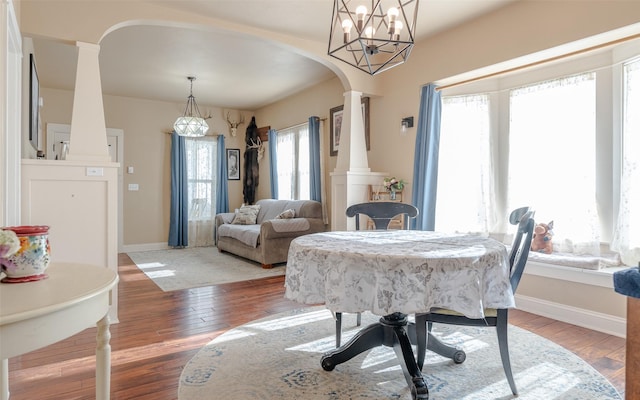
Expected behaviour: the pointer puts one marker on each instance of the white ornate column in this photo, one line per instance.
(86, 182)
(88, 140)
(352, 175)
(352, 152)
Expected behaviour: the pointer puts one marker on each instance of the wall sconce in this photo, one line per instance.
(407, 123)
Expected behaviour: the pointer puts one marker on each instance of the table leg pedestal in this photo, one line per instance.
(390, 331)
(4, 379)
(103, 360)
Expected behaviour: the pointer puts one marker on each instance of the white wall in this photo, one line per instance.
(147, 145)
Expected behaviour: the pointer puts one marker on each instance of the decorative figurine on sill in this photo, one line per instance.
(542, 234)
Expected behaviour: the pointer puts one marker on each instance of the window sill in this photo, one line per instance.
(602, 277)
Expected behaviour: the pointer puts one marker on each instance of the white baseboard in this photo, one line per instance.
(596, 321)
(130, 248)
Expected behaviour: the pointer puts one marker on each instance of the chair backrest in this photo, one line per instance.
(514, 219)
(520, 248)
(516, 215)
(382, 212)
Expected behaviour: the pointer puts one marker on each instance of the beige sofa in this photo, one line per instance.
(267, 242)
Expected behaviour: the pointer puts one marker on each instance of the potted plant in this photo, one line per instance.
(393, 185)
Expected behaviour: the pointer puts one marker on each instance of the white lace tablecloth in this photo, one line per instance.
(399, 271)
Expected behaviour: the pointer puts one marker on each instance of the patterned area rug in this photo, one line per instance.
(279, 358)
(177, 269)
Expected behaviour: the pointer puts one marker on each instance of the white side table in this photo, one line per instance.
(36, 314)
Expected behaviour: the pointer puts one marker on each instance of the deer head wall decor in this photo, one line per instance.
(257, 145)
(233, 125)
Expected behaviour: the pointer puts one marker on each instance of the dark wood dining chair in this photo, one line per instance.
(497, 318)
(381, 213)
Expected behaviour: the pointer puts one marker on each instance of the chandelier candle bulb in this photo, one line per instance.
(369, 32)
(392, 14)
(361, 12)
(346, 26)
(396, 32)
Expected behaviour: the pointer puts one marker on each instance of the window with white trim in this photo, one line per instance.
(464, 200)
(627, 235)
(556, 145)
(293, 163)
(552, 158)
(201, 177)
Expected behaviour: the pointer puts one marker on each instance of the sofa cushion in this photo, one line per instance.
(290, 225)
(271, 208)
(247, 234)
(287, 214)
(246, 215)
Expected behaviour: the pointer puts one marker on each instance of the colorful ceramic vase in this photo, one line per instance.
(32, 259)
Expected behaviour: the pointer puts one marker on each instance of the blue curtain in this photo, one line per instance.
(425, 164)
(273, 171)
(222, 190)
(179, 212)
(314, 159)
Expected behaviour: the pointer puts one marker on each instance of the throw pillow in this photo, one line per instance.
(246, 215)
(286, 214)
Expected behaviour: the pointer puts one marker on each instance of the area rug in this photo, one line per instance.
(177, 269)
(279, 358)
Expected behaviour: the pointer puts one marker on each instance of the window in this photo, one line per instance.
(464, 200)
(627, 236)
(294, 163)
(562, 139)
(201, 177)
(552, 158)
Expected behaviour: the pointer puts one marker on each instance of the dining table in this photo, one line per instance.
(394, 274)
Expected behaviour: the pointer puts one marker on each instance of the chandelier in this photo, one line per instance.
(189, 124)
(373, 38)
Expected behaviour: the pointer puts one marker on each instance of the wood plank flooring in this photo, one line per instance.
(160, 332)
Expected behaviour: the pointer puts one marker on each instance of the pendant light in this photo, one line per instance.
(375, 35)
(190, 124)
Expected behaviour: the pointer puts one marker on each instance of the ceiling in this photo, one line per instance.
(232, 70)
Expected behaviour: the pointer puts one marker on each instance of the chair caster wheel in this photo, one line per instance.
(327, 365)
(419, 390)
(459, 357)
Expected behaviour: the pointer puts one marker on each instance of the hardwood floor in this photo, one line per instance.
(159, 332)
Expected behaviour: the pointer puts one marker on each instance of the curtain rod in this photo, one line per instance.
(213, 135)
(292, 126)
(300, 124)
(541, 62)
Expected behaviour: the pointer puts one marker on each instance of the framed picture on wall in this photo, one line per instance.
(233, 164)
(34, 103)
(335, 124)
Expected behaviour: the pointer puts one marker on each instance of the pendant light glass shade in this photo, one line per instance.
(373, 35)
(189, 124)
